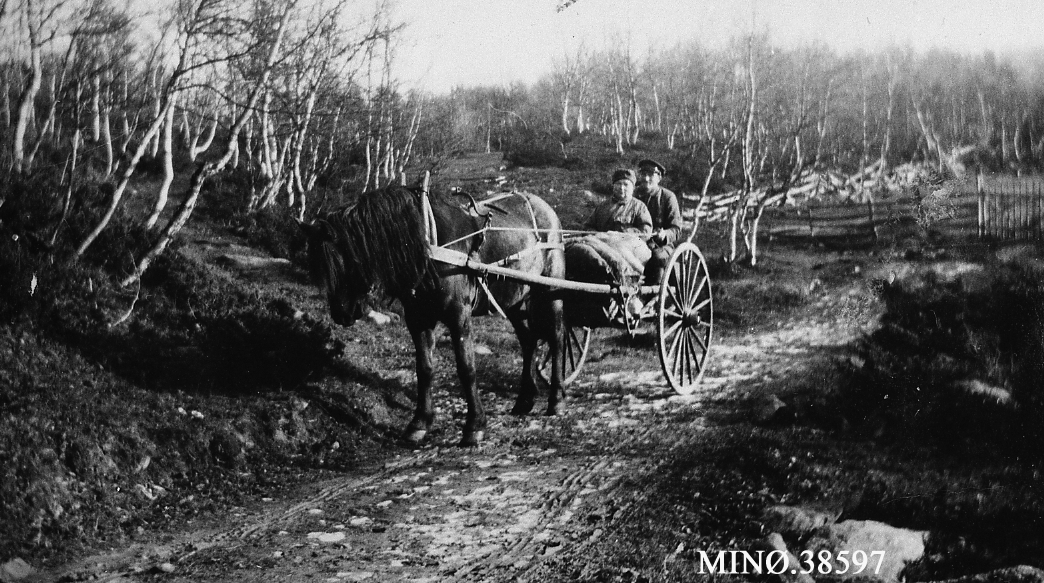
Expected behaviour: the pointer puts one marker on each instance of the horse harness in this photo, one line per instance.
(475, 209)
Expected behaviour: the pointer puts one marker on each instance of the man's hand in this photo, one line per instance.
(659, 237)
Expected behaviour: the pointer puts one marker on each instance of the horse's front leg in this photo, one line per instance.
(424, 414)
(464, 350)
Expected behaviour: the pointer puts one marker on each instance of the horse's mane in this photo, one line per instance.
(382, 234)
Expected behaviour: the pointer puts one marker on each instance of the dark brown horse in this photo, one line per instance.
(379, 245)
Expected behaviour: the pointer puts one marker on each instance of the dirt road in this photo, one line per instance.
(538, 501)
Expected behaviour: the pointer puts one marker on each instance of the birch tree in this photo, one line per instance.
(41, 23)
(268, 32)
(200, 24)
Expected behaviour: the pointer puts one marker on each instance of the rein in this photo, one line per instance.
(431, 235)
(535, 229)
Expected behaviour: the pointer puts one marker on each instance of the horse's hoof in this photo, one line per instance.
(415, 436)
(555, 409)
(472, 439)
(522, 408)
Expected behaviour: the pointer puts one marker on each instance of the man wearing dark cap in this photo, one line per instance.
(622, 212)
(666, 217)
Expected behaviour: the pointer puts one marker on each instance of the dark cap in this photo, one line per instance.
(651, 165)
(624, 174)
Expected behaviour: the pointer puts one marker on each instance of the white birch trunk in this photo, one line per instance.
(106, 134)
(28, 95)
(167, 150)
(96, 108)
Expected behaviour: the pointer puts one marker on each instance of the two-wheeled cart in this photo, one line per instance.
(681, 306)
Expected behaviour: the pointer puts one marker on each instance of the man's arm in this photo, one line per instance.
(672, 218)
(642, 221)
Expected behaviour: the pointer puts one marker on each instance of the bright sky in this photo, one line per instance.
(494, 42)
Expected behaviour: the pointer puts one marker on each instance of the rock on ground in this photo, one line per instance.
(794, 521)
(1020, 574)
(15, 570)
(896, 547)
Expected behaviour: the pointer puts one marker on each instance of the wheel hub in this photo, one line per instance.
(691, 318)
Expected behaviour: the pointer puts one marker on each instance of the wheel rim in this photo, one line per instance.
(574, 351)
(685, 319)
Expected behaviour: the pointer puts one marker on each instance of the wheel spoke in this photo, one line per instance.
(701, 305)
(696, 354)
(697, 359)
(688, 364)
(699, 289)
(573, 336)
(690, 284)
(670, 312)
(672, 353)
(673, 293)
(683, 285)
(701, 341)
(572, 351)
(679, 357)
(668, 332)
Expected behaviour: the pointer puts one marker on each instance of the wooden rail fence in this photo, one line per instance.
(994, 209)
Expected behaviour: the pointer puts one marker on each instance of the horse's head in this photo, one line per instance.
(377, 245)
(332, 270)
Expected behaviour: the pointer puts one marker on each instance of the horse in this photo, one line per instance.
(380, 245)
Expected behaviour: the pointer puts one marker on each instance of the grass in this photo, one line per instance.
(986, 326)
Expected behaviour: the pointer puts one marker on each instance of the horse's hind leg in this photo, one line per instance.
(424, 414)
(464, 350)
(528, 341)
(555, 334)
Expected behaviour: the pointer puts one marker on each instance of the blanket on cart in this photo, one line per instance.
(609, 257)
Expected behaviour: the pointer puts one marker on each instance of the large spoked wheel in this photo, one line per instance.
(574, 351)
(685, 318)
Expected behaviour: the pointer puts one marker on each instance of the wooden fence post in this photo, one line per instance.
(1027, 196)
(1021, 234)
(1017, 214)
(870, 211)
(982, 205)
(1007, 217)
(1040, 211)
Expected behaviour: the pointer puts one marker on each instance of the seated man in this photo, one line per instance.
(666, 217)
(622, 212)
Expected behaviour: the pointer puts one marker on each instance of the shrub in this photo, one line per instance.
(530, 147)
(226, 195)
(275, 230)
(937, 332)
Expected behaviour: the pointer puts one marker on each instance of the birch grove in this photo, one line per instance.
(106, 120)
(269, 89)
